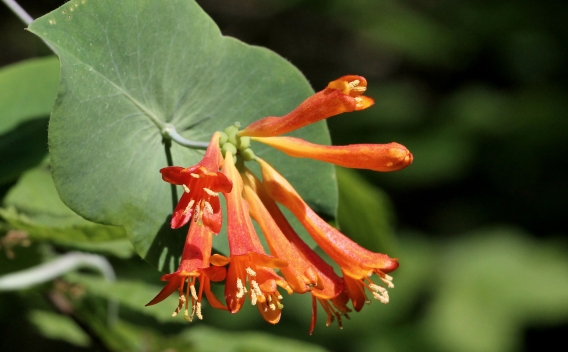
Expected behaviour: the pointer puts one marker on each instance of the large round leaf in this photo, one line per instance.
(130, 66)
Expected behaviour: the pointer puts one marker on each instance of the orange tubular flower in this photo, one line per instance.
(329, 289)
(248, 259)
(357, 263)
(376, 157)
(341, 95)
(201, 184)
(195, 265)
(299, 274)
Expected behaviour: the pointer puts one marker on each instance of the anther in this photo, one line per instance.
(185, 188)
(387, 280)
(210, 192)
(272, 306)
(193, 292)
(250, 271)
(198, 311)
(196, 213)
(353, 84)
(208, 207)
(186, 315)
(255, 288)
(241, 290)
(194, 175)
(189, 206)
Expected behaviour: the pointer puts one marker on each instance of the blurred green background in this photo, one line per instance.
(477, 90)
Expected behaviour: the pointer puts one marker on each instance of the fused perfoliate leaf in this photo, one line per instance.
(130, 67)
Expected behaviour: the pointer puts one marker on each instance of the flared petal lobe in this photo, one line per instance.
(341, 95)
(194, 266)
(376, 157)
(201, 183)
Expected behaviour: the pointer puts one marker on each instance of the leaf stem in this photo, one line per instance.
(19, 11)
(24, 16)
(170, 132)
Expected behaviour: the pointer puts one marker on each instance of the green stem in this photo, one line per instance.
(24, 16)
(48, 271)
(169, 132)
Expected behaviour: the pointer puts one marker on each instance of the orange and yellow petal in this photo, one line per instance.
(376, 157)
(340, 96)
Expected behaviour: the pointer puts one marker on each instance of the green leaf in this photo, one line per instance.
(59, 327)
(207, 339)
(364, 212)
(27, 92)
(34, 206)
(128, 68)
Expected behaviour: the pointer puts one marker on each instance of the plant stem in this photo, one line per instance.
(65, 263)
(24, 16)
(169, 131)
(19, 11)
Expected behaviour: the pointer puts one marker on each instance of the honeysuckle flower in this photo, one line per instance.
(248, 261)
(303, 262)
(194, 266)
(251, 271)
(342, 95)
(376, 157)
(356, 263)
(201, 183)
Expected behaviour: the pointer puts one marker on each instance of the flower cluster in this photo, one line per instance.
(249, 271)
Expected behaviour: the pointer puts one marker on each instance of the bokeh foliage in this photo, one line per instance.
(475, 89)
